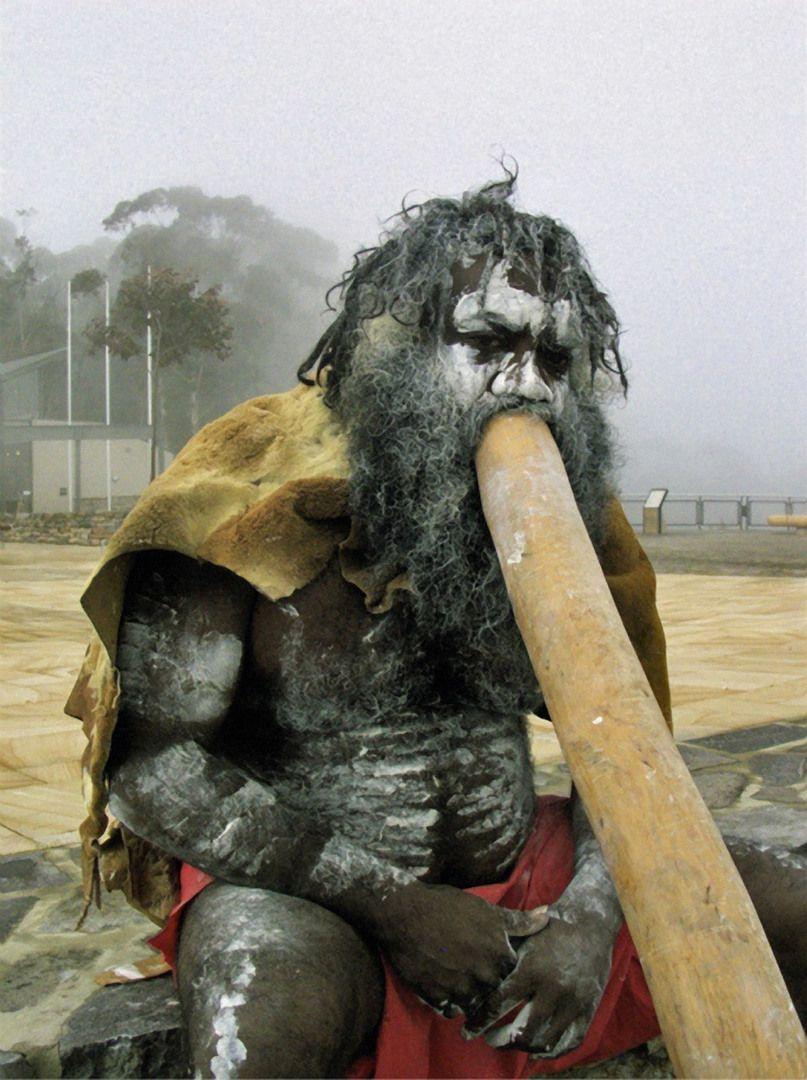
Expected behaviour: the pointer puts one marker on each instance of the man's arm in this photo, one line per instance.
(591, 891)
(181, 650)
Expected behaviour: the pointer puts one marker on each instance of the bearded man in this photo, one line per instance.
(319, 777)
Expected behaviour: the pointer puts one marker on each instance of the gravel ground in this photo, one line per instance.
(728, 551)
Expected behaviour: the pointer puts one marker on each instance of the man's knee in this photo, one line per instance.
(776, 880)
(274, 986)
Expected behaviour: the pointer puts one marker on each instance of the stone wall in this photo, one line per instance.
(82, 528)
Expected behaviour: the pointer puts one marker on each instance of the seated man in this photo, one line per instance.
(323, 689)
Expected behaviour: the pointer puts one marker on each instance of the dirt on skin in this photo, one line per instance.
(753, 552)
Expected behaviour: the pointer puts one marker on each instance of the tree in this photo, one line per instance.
(185, 324)
(273, 274)
(17, 275)
(86, 282)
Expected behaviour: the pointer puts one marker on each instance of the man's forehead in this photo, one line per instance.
(509, 299)
(467, 274)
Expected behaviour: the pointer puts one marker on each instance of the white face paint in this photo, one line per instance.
(566, 318)
(500, 305)
(485, 312)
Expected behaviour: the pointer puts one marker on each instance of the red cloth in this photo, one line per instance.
(415, 1042)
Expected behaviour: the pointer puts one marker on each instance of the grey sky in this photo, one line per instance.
(669, 136)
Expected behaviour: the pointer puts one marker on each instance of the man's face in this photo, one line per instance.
(495, 339)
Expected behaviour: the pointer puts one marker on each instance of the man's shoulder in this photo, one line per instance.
(234, 465)
(267, 438)
(255, 491)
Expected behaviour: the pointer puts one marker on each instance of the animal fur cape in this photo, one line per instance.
(262, 491)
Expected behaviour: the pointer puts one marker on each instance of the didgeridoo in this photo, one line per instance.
(721, 1001)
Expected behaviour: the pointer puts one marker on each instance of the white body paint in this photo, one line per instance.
(204, 670)
(342, 864)
(230, 1050)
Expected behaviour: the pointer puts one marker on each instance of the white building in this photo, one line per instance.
(45, 463)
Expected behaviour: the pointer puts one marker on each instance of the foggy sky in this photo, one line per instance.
(669, 136)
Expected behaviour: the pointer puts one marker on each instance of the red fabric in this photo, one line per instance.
(415, 1042)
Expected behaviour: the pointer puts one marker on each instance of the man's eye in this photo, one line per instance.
(484, 343)
(554, 361)
(550, 356)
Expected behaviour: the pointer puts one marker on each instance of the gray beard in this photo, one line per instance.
(413, 487)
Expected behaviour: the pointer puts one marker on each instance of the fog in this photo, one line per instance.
(669, 136)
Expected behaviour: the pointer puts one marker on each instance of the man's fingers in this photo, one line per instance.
(504, 1036)
(511, 993)
(524, 923)
(447, 1009)
(564, 1031)
(544, 1027)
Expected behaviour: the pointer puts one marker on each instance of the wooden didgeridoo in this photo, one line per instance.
(721, 1001)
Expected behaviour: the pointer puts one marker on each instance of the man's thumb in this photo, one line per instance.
(524, 923)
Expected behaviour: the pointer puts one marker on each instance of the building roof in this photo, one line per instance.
(10, 369)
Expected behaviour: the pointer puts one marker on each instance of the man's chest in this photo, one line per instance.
(348, 716)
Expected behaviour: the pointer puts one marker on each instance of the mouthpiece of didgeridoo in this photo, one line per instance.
(721, 1001)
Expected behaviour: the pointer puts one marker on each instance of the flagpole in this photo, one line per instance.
(149, 371)
(149, 355)
(70, 492)
(107, 401)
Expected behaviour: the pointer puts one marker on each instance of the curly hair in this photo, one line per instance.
(408, 276)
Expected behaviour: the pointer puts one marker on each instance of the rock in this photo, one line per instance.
(129, 1030)
(650, 1060)
(28, 872)
(780, 826)
(720, 789)
(25, 981)
(744, 740)
(699, 757)
(12, 912)
(63, 915)
(779, 769)
(14, 1065)
(777, 794)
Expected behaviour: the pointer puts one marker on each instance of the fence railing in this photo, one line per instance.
(716, 511)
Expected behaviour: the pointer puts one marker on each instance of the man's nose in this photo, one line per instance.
(521, 376)
(529, 381)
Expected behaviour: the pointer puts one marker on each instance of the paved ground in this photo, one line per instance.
(736, 638)
(770, 553)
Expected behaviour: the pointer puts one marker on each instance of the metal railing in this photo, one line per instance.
(716, 511)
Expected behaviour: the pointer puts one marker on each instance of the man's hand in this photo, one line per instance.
(452, 948)
(558, 980)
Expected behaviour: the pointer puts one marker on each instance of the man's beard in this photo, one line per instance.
(414, 489)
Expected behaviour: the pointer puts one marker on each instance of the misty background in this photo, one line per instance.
(670, 137)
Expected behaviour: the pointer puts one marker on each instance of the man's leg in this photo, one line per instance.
(776, 879)
(271, 985)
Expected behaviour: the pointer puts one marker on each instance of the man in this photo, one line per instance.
(322, 687)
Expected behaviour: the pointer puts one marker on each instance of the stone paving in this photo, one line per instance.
(53, 1013)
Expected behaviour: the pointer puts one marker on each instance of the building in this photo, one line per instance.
(50, 466)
